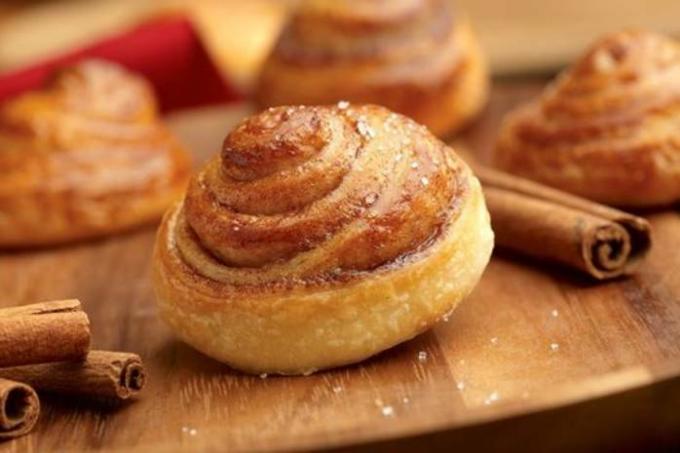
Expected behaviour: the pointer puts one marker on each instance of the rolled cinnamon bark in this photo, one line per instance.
(549, 224)
(103, 374)
(44, 332)
(19, 409)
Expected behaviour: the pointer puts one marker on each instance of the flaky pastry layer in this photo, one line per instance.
(415, 57)
(608, 128)
(303, 329)
(84, 157)
(319, 237)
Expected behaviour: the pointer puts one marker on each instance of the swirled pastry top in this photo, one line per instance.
(93, 130)
(609, 121)
(621, 79)
(310, 194)
(413, 56)
(323, 32)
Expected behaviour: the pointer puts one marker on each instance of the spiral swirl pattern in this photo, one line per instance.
(607, 128)
(93, 101)
(413, 56)
(75, 151)
(386, 31)
(304, 193)
(320, 236)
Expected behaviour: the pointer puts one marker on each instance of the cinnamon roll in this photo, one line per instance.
(85, 156)
(318, 237)
(608, 128)
(415, 57)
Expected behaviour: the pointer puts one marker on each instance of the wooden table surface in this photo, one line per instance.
(537, 356)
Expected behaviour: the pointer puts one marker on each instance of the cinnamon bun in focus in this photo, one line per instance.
(608, 128)
(85, 156)
(318, 237)
(416, 57)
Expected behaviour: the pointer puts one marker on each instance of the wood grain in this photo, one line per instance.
(535, 355)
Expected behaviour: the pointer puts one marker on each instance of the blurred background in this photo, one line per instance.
(521, 37)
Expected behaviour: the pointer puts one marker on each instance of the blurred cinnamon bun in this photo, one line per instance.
(416, 57)
(319, 237)
(83, 157)
(608, 128)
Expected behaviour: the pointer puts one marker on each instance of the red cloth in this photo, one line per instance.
(167, 51)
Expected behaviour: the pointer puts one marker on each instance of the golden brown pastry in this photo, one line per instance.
(85, 156)
(319, 237)
(608, 128)
(415, 57)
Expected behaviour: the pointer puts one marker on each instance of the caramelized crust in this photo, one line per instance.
(608, 128)
(83, 157)
(412, 56)
(307, 205)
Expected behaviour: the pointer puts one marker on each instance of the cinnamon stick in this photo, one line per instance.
(545, 223)
(44, 332)
(19, 409)
(103, 374)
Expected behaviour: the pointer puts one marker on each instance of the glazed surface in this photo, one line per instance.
(317, 193)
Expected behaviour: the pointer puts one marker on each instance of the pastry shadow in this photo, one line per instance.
(175, 354)
(560, 273)
(132, 233)
(62, 405)
(645, 211)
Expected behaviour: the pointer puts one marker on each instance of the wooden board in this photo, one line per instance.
(536, 355)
